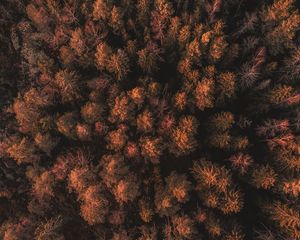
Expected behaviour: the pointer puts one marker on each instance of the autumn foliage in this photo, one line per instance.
(149, 120)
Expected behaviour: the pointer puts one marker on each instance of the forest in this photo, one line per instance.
(149, 120)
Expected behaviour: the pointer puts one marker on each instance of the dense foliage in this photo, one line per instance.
(149, 119)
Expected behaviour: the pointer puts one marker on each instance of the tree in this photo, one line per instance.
(121, 234)
(80, 179)
(226, 87)
(137, 95)
(116, 20)
(84, 132)
(160, 18)
(180, 100)
(183, 136)
(291, 187)
(145, 121)
(38, 15)
(50, 229)
(121, 110)
(184, 227)
(286, 217)
(46, 142)
(279, 94)
(178, 186)
(68, 85)
(23, 227)
(209, 175)
(241, 162)
(287, 20)
(44, 186)
(95, 205)
(117, 139)
(91, 112)
(220, 140)
(102, 9)
(77, 42)
(149, 57)
(264, 177)
(151, 148)
(231, 202)
(148, 233)
(222, 121)
(204, 94)
(24, 151)
(103, 54)
(182, 142)
(114, 169)
(66, 124)
(146, 212)
(126, 190)
(26, 115)
(118, 64)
